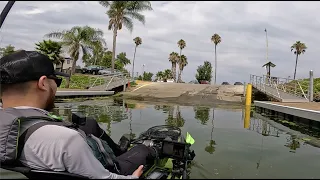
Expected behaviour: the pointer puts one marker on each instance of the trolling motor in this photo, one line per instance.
(181, 155)
(78, 119)
(166, 140)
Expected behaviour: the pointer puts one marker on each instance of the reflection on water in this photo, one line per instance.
(228, 143)
(210, 148)
(201, 114)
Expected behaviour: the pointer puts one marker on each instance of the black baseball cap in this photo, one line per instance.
(22, 66)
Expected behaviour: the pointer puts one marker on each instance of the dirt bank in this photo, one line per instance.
(187, 94)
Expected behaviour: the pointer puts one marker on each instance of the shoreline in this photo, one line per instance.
(184, 100)
(187, 94)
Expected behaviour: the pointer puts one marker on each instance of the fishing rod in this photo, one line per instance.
(5, 12)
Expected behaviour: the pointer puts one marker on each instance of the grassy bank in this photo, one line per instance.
(82, 81)
(316, 87)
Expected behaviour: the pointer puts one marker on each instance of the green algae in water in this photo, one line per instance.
(288, 122)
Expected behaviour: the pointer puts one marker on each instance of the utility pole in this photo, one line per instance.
(143, 71)
(267, 45)
(265, 30)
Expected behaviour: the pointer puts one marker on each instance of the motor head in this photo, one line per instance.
(79, 119)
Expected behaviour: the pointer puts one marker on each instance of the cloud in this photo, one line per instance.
(240, 24)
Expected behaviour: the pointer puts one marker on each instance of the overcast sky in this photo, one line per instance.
(240, 24)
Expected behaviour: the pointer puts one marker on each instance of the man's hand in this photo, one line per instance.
(138, 172)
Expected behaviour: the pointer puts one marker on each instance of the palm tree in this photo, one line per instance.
(137, 41)
(174, 58)
(167, 74)
(122, 13)
(298, 48)
(159, 75)
(216, 39)
(183, 62)
(51, 49)
(98, 52)
(181, 45)
(79, 39)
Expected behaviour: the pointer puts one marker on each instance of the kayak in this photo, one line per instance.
(174, 161)
(176, 155)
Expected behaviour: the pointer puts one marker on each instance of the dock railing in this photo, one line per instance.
(104, 81)
(280, 87)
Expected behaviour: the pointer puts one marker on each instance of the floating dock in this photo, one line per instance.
(291, 111)
(64, 94)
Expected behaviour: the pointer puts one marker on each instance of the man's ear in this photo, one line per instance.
(43, 83)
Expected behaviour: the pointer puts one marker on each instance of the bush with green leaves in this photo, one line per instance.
(78, 81)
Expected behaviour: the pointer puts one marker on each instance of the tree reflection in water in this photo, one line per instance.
(201, 114)
(177, 121)
(211, 146)
(292, 143)
(102, 113)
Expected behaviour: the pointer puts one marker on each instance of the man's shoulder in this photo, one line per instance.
(54, 132)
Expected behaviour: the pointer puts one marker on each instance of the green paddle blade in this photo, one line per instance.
(189, 139)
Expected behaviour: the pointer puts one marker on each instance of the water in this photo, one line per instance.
(224, 147)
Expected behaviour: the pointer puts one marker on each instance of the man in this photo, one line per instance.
(29, 84)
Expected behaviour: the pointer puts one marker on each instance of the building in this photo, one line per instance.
(65, 65)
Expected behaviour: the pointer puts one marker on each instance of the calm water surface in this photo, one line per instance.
(224, 147)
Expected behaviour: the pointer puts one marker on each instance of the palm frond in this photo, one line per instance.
(111, 23)
(58, 35)
(137, 41)
(299, 47)
(122, 13)
(85, 50)
(174, 57)
(127, 22)
(74, 51)
(181, 44)
(135, 15)
(139, 6)
(216, 39)
(105, 4)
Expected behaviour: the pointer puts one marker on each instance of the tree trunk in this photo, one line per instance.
(68, 78)
(73, 68)
(134, 57)
(62, 62)
(178, 117)
(212, 123)
(114, 48)
(179, 68)
(173, 69)
(179, 75)
(295, 69)
(215, 65)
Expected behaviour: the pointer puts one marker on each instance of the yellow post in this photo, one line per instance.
(248, 94)
(247, 112)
